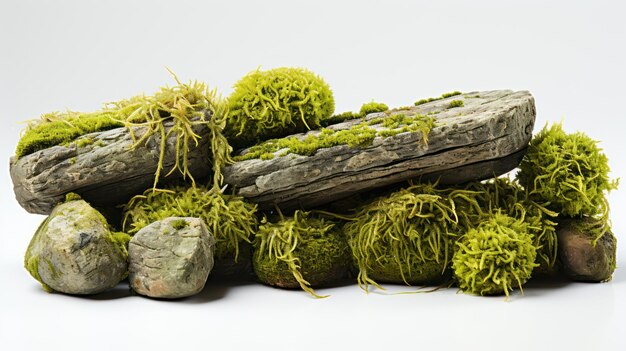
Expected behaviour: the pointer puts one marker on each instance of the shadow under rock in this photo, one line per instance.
(121, 291)
(215, 289)
(540, 285)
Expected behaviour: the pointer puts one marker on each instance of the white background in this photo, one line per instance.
(78, 54)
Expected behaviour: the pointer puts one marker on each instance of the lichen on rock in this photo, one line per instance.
(171, 258)
(230, 218)
(74, 252)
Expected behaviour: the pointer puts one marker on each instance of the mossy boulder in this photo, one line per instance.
(587, 249)
(74, 252)
(231, 219)
(302, 251)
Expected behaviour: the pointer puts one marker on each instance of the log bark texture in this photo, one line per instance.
(105, 171)
(485, 137)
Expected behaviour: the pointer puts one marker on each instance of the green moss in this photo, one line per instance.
(82, 142)
(121, 239)
(62, 128)
(405, 237)
(72, 197)
(443, 96)
(372, 107)
(179, 224)
(447, 95)
(230, 218)
(359, 135)
(276, 103)
(300, 251)
(342, 117)
(508, 197)
(494, 257)
(183, 104)
(569, 171)
(31, 258)
(455, 103)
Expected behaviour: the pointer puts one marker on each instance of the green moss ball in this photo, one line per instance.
(302, 251)
(230, 218)
(404, 238)
(274, 103)
(495, 257)
(567, 170)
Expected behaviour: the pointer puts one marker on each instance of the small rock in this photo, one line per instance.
(171, 258)
(74, 252)
(580, 259)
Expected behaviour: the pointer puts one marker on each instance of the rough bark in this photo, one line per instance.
(484, 138)
(106, 172)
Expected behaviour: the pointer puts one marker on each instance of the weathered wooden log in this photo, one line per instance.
(102, 167)
(485, 137)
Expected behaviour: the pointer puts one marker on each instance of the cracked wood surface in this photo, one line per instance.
(106, 172)
(486, 137)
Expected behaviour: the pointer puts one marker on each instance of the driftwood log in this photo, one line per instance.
(106, 170)
(485, 137)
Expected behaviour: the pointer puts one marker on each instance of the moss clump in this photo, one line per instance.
(341, 117)
(406, 237)
(230, 218)
(301, 251)
(358, 135)
(275, 103)
(179, 224)
(443, 96)
(184, 105)
(72, 197)
(455, 103)
(372, 107)
(494, 257)
(62, 128)
(508, 197)
(569, 171)
(366, 108)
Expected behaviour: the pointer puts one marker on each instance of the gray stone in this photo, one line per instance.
(581, 257)
(106, 170)
(74, 252)
(484, 138)
(171, 258)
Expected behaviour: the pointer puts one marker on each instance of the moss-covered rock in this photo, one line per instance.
(302, 251)
(275, 103)
(74, 252)
(587, 249)
(494, 258)
(230, 218)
